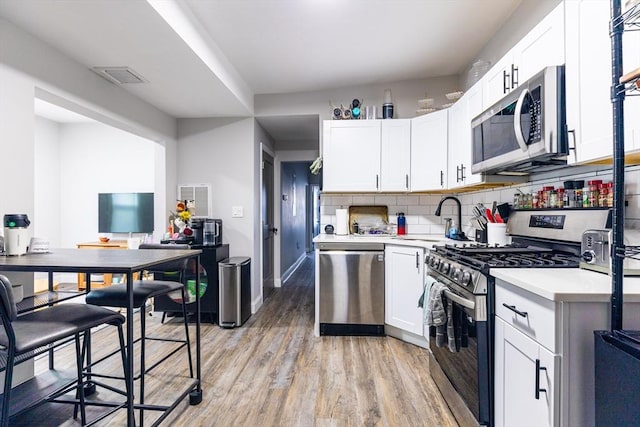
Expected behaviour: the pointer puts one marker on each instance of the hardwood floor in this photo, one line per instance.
(272, 371)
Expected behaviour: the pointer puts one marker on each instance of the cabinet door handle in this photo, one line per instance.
(462, 168)
(406, 181)
(377, 182)
(417, 261)
(538, 389)
(515, 310)
(505, 82)
(572, 132)
(441, 178)
(514, 76)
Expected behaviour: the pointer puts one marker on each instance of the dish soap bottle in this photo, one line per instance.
(453, 230)
(402, 224)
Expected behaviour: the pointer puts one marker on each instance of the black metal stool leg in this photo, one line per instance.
(84, 350)
(80, 385)
(125, 367)
(143, 337)
(8, 377)
(186, 330)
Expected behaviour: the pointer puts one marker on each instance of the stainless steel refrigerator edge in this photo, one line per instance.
(351, 289)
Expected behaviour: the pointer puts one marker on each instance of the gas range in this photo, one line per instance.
(540, 239)
(467, 265)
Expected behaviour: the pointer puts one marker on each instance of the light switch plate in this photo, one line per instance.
(237, 212)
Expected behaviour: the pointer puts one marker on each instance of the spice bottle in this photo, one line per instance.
(594, 193)
(535, 200)
(560, 200)
(578, 188)
(546, 196)
(569, 196)
(586, 196)
(610, 194)
(553, 199)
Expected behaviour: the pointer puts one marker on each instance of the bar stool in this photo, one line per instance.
(116, 296)
(30, 333)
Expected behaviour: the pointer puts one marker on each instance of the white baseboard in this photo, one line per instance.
(277, 283)
(292, 269)
(405, 336)
(256, 304)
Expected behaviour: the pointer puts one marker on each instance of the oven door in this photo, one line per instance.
(465, 360)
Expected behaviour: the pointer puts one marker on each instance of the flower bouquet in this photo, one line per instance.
(182, 218)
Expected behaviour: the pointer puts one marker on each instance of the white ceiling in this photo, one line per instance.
(207, 58)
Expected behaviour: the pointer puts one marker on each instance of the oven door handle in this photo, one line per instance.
(471, 305)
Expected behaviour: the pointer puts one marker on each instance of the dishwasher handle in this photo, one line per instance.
(351, 253)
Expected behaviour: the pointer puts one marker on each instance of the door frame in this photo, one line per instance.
(264, 149)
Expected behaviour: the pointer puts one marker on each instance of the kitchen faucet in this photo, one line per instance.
(460, 235)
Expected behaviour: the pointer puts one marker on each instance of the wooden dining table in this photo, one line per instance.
(125, 262)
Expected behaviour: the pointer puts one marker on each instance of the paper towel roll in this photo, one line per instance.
(342, 221)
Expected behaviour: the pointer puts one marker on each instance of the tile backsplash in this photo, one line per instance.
(419, 208)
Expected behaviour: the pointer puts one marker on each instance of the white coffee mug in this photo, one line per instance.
(497, 234)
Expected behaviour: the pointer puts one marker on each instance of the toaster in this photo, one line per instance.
(595, 251)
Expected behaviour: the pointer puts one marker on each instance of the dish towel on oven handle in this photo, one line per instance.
(451, 327)
(433, 309)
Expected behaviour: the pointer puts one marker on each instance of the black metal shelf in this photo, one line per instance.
(619, 22)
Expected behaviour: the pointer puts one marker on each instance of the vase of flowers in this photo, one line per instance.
(182, 217)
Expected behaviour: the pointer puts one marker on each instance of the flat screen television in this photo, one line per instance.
(125, 213)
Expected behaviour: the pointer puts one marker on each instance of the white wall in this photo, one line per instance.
(30, 68)
(96, 158)
(223, 152)
(47, 212)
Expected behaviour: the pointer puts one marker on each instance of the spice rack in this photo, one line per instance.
(574, 194)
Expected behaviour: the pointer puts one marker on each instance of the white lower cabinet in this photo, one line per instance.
(551, 342)
(526, 380)
(404, 279)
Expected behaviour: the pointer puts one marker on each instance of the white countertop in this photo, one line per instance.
(421, 240)
(555, 284)
(567, 284)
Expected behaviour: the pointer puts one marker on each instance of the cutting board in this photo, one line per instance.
(368, 215)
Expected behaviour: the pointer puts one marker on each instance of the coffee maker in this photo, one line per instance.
(207, 231)
(16, 237)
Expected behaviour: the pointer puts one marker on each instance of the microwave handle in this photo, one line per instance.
(517, 125)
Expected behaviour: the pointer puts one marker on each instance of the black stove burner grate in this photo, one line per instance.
(482, 257)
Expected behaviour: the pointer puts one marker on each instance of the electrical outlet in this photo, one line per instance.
(237, 212)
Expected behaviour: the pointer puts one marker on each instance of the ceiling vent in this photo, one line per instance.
(120, 75)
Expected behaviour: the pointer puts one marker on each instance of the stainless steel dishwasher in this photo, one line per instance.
(351, 288)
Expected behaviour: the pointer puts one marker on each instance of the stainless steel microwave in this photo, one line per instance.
(525, 131)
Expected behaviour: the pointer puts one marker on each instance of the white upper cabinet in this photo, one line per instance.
(588, 82)
(351, 155)
(541, 47)
(395, 160)
(459, 151)
(429, 151)
(366, 155)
